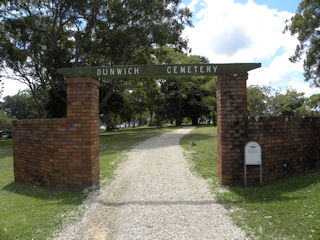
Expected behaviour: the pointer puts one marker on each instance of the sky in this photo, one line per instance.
(231, 31)
(234, 31)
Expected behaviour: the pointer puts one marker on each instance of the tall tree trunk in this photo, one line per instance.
(151, 117)
(39, 105)
(108, 119)
(178, 119)
(195, 121)
(106, 97)
(178, 114)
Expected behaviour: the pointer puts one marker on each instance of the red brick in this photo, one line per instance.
(55, 152)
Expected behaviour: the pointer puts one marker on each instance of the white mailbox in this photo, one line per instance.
(252, 156)
(252, 153)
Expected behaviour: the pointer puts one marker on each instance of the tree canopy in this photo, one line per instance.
(305, 24)
(39, 36)
(20, 106)
(266, 101)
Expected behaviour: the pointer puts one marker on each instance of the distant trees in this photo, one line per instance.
(305, 24)
(265, 101)
(191, 97)
(257, 101)
(20, 106)
(155, 101)
(5, 122)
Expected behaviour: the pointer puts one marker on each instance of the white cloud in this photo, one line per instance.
(303, 87)
(280, 71)
(229, 32)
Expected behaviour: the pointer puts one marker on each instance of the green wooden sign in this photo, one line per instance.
(168, 70)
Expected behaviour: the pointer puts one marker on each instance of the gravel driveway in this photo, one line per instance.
(155, 196)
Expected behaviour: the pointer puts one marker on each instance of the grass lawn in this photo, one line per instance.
(287, 209)
(28, 212)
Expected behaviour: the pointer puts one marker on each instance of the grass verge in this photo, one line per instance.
(286, 209)
(28, 212)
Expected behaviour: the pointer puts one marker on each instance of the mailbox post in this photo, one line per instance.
(252, 156)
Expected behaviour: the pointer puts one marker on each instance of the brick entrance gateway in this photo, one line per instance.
(61, 153)
(64, 153)
(289, 145)
(232, 119)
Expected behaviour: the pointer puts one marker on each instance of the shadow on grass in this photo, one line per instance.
(277, 191)
(64, 197)
(133, 131)
(199, 136)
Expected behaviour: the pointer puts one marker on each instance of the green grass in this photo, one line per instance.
(28, 212)
(286, 209)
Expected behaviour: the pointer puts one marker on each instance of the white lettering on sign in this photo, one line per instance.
(192, 69)
(215, 68)
(195, 69)
(118, 71)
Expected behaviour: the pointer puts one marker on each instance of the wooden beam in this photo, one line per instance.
(168, 70)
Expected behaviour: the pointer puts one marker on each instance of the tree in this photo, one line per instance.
(115, 104)
(314, 102)
(134, 30)
(152, 91)
(20, 106)
(138, 100)
(287, 104)
(305, 23)
(1, 88)
(186, 96)
(126, 113)
(39, 36)
(256, 101)
(5, 122)
(266, 101)
(312, 106)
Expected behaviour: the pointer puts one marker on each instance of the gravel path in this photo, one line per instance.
(155, 196)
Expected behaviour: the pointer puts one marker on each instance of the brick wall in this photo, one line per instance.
(232, 124)
(61, 153)
(64, 153)
(289, 146)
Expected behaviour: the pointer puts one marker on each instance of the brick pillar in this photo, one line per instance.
(83, 123)
(232, 125)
